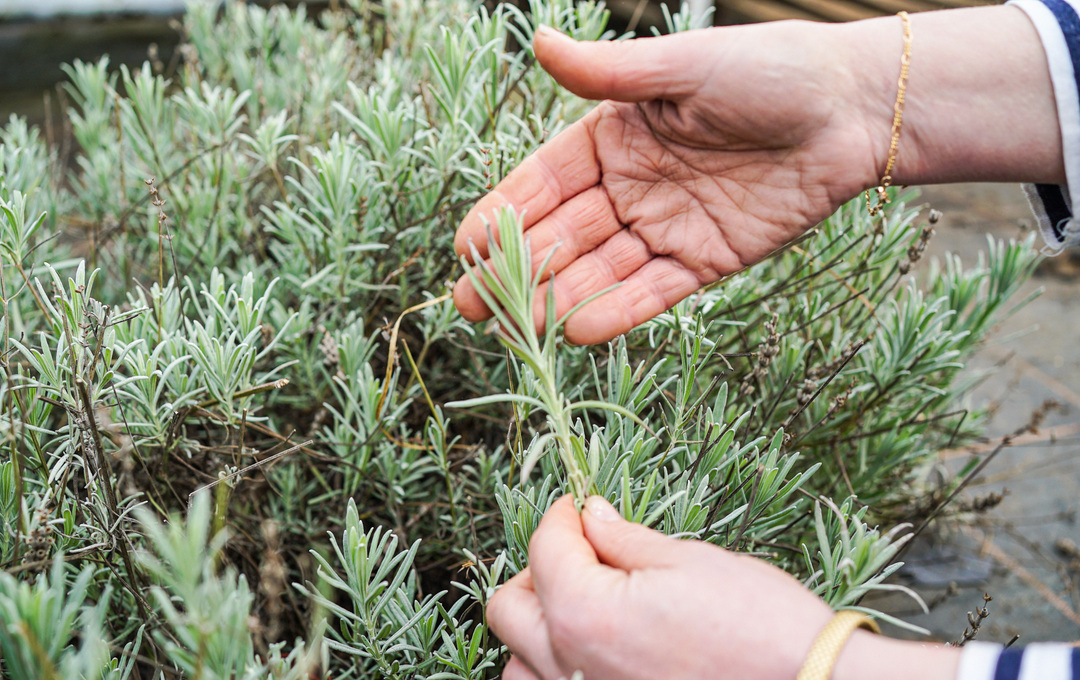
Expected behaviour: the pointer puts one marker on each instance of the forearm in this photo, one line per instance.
(980, 104)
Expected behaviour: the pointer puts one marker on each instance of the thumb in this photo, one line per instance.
(626, 545)
(624, 70)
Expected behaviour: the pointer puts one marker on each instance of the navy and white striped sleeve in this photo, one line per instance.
(1044, 661)
(1058, 25)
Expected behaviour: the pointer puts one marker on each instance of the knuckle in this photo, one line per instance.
(564, 627)
(569, 622)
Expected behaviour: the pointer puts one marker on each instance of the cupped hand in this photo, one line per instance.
(713, 149)
(618, 601)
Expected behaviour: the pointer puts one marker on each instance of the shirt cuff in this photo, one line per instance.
(1043, 661)
(1058, 25)
(1047, 661)
(1052, 207)
(978, 661)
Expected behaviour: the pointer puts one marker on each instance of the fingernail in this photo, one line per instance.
(600, 509)
(549, 32)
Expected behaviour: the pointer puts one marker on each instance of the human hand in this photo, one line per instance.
(716, 147)
(618, 601)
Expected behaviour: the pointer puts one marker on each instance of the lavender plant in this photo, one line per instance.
(506, 282)
(245, 433)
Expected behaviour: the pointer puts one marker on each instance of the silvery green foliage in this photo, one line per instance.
(207, 612)
(393, 633)
(256, 351)
(49, 630)
(26, 166)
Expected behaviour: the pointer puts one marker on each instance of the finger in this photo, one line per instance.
(515, 615)
(651, 290)
(559, 555)
(626, 545)
(574, 228)
(647, 286)
(517, 670)
(623, 70)
(603, 267)
(556, 172)
(468, 301)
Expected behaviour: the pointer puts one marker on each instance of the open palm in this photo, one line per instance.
(703, 166)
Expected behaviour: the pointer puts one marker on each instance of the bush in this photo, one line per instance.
(230, 358)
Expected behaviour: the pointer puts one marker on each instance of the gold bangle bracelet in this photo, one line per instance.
(897, 123)
(830, 642)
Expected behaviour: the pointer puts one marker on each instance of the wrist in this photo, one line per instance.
(973, 111)
(867, 655)
(870, 63)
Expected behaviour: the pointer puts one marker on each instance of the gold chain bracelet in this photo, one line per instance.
(830, 642)
(897, 123)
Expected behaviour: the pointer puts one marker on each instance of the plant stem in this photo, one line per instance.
(104, 477)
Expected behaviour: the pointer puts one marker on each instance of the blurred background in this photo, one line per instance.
(1018, 542)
